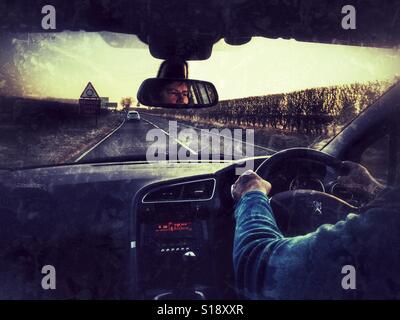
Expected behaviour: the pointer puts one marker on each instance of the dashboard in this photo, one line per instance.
(105, 226)
(129, 231)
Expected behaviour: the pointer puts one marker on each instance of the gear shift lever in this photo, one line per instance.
(189, 260)
(185, 288)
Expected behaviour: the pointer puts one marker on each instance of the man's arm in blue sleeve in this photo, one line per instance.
(256, 236)
(269, 266)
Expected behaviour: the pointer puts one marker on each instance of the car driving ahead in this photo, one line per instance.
(132, 115)
(255, 159)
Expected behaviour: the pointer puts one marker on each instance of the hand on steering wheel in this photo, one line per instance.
(359, 179)
(249, 181)
(302, 211)
(355, 178)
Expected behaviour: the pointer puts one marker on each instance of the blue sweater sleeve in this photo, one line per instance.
(256, 237)
(268, 265)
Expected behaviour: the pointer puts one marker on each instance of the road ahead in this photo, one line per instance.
(130, 140)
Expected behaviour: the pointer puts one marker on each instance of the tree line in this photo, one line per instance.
(311, 111)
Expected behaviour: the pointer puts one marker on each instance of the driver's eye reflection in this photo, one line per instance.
(178, 93)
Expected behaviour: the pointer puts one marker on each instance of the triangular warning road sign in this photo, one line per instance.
(89, 92)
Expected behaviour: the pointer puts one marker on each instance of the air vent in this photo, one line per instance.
(199, 190)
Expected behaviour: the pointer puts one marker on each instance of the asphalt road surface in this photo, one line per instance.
(134, 138)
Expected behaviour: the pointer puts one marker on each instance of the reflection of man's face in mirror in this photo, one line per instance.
(175, 93)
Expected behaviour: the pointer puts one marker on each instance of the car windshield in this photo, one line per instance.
(64, 98)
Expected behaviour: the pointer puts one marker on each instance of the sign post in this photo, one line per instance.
(89, 102)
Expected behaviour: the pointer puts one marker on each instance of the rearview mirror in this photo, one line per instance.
(177, 93)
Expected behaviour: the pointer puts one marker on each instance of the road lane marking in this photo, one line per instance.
(98, 143)
(176, 140)
(213, 133)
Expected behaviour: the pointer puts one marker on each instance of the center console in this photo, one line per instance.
(174, 252)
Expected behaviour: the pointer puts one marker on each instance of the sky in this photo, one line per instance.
(62, 65)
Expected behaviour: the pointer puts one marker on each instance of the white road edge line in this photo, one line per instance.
(98, 143)
(176, 140)
(234, 139)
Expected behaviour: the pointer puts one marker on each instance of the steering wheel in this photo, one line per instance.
(302, 211)
(269, 164)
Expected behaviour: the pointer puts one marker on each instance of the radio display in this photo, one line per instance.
(169, 227)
